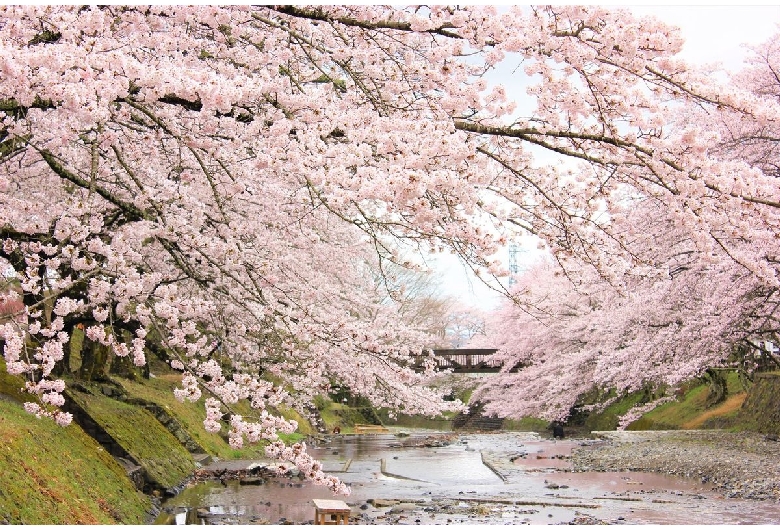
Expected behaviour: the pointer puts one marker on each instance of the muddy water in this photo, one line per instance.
(508, 478)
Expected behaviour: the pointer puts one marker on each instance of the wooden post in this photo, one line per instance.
(328, 511)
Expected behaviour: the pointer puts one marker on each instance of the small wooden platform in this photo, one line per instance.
(361, 428)
(327, 511)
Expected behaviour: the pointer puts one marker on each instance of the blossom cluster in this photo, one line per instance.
(312, 469)
(638, 411)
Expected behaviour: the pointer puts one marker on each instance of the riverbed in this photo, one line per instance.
(496, 478)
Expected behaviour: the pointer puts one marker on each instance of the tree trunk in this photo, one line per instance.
(95, 361)
(718, 391)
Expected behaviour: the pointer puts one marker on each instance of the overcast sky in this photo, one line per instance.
(713, 34)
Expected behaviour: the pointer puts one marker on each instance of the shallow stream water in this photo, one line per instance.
(506, 478)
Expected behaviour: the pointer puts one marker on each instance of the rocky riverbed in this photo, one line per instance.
(661, 477)
(740, 465)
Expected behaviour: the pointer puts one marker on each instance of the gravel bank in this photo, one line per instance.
(740, 465)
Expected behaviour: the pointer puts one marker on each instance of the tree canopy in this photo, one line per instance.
(699, 296)
(221, 184)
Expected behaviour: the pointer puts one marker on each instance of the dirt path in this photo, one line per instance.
(730, 405)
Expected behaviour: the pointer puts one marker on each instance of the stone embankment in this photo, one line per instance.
(740, 465)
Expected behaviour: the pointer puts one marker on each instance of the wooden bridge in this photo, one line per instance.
(463, 360)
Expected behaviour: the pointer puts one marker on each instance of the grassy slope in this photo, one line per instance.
(608, 419)
(159, 390)
(337, 414)
(728, 409)
(51, 475)
(165, 460)
(690, 412)
(55, 475)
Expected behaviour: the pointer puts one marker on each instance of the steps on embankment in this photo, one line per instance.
(474, 420)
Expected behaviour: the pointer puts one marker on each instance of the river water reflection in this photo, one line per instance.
(506, 478)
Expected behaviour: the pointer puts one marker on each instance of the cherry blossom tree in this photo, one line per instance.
(696, 299)
(573, 331)
(464, 322)
(218, 183)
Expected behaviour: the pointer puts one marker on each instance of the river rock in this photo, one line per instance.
(251, 481)
(402, 507)
(383, 503)
(740, 465)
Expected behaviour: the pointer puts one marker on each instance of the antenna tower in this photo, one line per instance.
(514, 269)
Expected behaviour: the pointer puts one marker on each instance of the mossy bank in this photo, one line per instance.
(55, 475)
(131, 443)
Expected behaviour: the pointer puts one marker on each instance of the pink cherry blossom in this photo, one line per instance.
(237, 183)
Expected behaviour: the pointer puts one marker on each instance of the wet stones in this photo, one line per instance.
(740, 465)
(438, 440)
(254, 475)
(383, 503)
(402, 507)
(553, 486)
(251, 481)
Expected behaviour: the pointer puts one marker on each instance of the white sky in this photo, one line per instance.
(713, 34)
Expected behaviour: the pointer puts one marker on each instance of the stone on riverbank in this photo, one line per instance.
(741, 465)
(383, 503)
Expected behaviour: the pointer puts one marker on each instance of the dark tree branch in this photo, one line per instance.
(320, 14)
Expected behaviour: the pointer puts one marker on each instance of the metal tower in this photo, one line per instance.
(514, 269)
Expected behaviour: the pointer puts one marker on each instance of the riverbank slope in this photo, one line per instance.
(130, 444)
(55, 475)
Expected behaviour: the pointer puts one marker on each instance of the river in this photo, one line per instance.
(502, 478)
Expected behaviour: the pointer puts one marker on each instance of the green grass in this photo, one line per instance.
(164, 459)
(527, 424)
(12, 385)
(336, 414)
(608, 419)
(159, 390)
(465, 394)
(690, 411)
(55, 475)
(304, 427)
(675, 414)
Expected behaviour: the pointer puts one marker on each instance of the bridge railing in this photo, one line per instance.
(464, 360)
